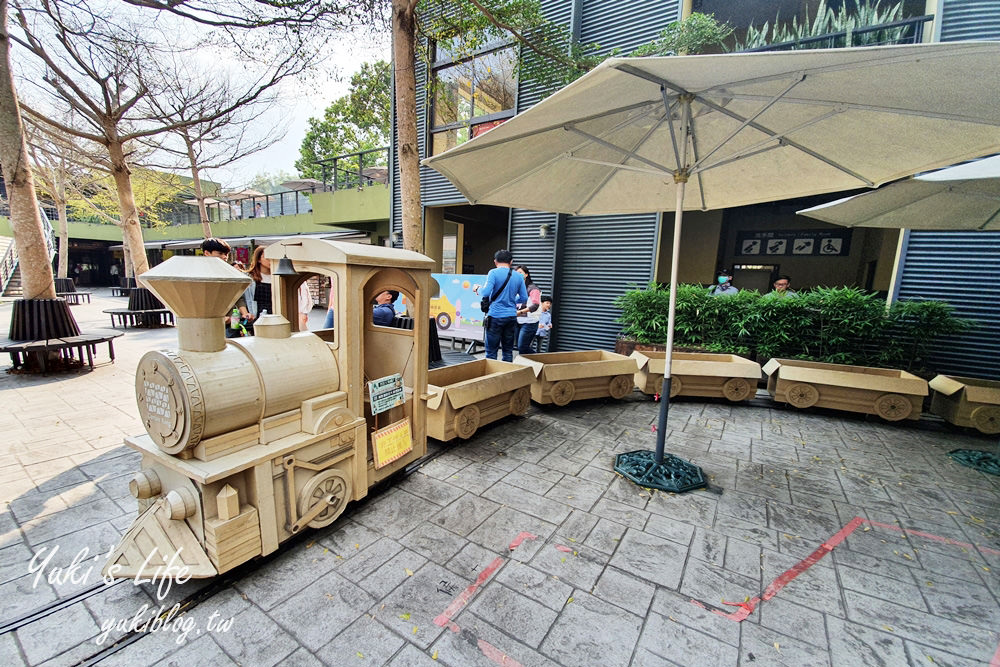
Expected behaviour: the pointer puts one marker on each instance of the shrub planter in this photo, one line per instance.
(465, 396)
(561, 377)
(967, 402)
(698, 374)
(889, 393)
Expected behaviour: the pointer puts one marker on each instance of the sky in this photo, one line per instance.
(302, 101)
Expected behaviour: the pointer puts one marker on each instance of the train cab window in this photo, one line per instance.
(325, 300)
(387, 311)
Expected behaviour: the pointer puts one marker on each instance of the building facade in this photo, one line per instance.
(587, 261)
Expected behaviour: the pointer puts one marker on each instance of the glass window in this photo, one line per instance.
(472, 96)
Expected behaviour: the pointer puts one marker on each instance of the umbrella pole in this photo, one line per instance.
(661, 429)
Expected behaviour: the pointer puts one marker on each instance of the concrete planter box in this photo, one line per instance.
(465, 396)
(889, 393)
(561, 377)
(967, 402)
(698, 374)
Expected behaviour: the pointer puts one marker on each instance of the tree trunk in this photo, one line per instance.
(404, 61)
(25, 221)
(206, 224)
(127, 258)
(131, 230)
(60, 197)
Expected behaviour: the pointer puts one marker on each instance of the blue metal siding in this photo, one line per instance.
(970, 19)
(531, 249)
(601, 257)
(954, 267)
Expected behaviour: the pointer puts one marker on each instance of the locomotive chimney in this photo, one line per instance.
(200, 291)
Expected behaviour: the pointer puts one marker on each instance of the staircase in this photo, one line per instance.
(13, 289)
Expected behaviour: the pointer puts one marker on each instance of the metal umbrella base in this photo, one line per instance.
(987, 462)
(672, 474)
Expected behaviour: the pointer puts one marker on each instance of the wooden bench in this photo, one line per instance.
(147, 319)
(68, 347)
(74, 298)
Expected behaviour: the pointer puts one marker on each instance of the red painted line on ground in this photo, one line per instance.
(939, 538)
(563, 548)
(521, 538)
(496, 655)
(444, 618)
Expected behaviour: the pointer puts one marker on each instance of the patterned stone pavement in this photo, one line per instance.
(522, 546)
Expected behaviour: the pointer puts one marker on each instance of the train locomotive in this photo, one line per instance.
(250, 440)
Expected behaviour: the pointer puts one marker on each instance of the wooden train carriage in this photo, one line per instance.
(561, 377)
(463, 397)
(889, 393)
(698, 374)
(967, 402)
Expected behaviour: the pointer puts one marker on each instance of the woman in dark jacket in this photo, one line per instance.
(527, 318)
(260, 273)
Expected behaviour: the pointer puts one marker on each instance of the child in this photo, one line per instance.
(544, 323)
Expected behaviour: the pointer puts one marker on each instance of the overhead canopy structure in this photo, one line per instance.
(246, 193)
(637, 135)
(966, 196)
(299, 184)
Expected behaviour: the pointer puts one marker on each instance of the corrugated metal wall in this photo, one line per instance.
(958, 267)
(970, 19)
(606, 256)
(625, 25)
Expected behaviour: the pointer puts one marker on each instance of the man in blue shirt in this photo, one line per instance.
(501, 319)
(384, 312)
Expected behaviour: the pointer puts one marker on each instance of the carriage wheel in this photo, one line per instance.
(986, 419)
(562, 392)
(893, 407)
(331, 482)
(802, 395)
(676, 386)
(621, 386)
(519, 401)
(467, 422)
(738, 389)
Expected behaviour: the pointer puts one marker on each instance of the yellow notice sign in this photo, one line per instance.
(392, 442)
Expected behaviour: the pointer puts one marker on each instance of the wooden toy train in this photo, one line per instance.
(250, 440)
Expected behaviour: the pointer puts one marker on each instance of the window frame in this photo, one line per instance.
(444, 63)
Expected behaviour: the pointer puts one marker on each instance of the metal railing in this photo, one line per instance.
(8, 264)
(905, 31)
(355, 170)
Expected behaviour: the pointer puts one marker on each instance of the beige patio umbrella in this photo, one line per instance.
(709, 132)
(966, 196)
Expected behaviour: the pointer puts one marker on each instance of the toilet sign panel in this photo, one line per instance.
(798, 242)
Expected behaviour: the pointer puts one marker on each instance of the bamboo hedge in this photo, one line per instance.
(841, 325)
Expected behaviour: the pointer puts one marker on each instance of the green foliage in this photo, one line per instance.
(840, 325)
(826, 21)
(358, 121)
(688, 37)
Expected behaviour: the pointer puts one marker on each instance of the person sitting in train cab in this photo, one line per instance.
(384, 312)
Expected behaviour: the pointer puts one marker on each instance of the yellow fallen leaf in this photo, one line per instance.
(986, 568)
(777, 647)
(930, 583)
(414, 629)
(360, 654)
(434, 655)
(866, 529)
(326, 551)
(408, 571)
(571, 539)
(357, 546)
(886, 627)
(309, 546)
(563, 559)
(329, 597)
(577, 553)
(569, 600)
(405, 616)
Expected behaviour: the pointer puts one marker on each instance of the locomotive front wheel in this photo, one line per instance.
(329, 486)
(986, 419)
(519, 401)
(562, 392)
(621, 386)
(467, 422)
(802, 395)
(738, 389)
(893, 407)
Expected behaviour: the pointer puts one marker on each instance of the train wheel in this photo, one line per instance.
(802, 395)
(443, 320)
(467, 422)
(676, 386)
(519, 401)
(562, 392)
(893, 407)
(738, 389)
(331, 487)
(986, 419)
(621, 386)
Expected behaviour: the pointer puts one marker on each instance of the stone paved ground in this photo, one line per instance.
(424, 573)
